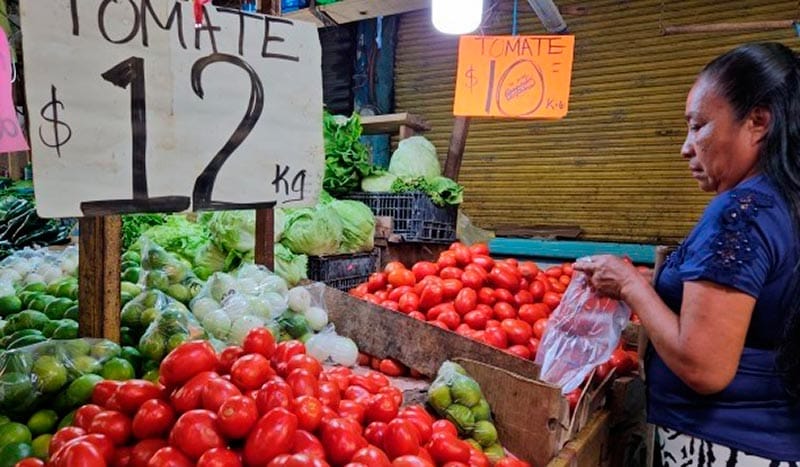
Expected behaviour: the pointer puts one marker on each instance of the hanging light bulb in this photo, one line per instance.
(457, 16)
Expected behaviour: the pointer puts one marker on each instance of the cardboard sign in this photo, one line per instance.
(134, 109)
(11, 138)
(524, 77)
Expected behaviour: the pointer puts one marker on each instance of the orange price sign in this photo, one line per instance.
(525, 77)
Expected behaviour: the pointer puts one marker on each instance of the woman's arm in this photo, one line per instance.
(703, 344)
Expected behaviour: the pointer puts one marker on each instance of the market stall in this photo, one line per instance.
(245, 285)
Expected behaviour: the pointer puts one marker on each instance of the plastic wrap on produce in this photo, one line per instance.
(582, 333)
(167, 322)
(167, 272)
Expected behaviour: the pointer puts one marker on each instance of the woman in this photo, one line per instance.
(723, 369)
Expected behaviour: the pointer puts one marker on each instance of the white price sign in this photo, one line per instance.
(136, 109)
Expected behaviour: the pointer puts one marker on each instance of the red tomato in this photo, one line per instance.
(478, 271)
(372, 298)
(219, 457)
(411, 461)
(272, 435)
(556, 285)
(63, 436)
(621, 362)
(523, 297)
(450, 319)
(329, 393)
(537, 289)
(417, 315)
(554, 271)
(383, 295)
(219, 390)
(528, 269)
(602, 371)
(153, 420)
(306, 443)
(519, 332)
(551, 299)
(479, 249)
(424, 269)
(533, 346)
(393, 266)
(521, 351)
(447, 259)
(283, 352)
(187, 360)
(434, 312)
(390, 305)
(133, 393)
(401, 277)
(302, 383)
(101, 443)
(484, 261)
(496, 337)
(251, 371)
(539, 328)
(401, 438)
(439, 324)
(531, 313)
(503, 295)
(451, 272)
(34, 462)
(115, 425)
(503, 279)
(305, 362)
(237, 416)
(122, 457)
(408, 302)
(144, 450)
(340, 375)
(486, 296)
(85, 414)
(308, 410)
(196, 432)
(463, 256)
(509, 461)
(421, 423)
(466, 301)
(374, 433)
(444, 426)
(471, 279)
(81, 453)
(476, 320)
(103, 391)
(391, 367)
(169, 457)
(382, 408)
(228, 356)
(492, 323)
(377, 281)
(395, 392)
(464, 330)
(398, 292)
(297, 460)
(449, 449)
(353, 410)
(431, 296)
(341, 443)
(372, 457)
(359, 291)
(573, 398)
(503, 311)
(567, 270)
(274, 394)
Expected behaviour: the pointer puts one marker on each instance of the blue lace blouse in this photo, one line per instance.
(745, 240)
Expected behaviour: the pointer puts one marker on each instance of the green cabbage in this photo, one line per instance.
(178, 235)
(378, 182)
(315, 232)
(291, 267)
(415, 157)
(234, 231)
(358, 226)
(208, 260)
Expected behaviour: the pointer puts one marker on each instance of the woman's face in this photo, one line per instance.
(721, 151)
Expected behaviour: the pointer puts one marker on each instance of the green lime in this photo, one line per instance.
(105, 349)
(61, 402)
(77, 347)
(152, 347)
(66, 420)
(484, 433)
(495, 452)
(148, 316)
(85, 364)
(175, 340)
(125, 297)
(4, 419)
(40, 446)
(439, 397)
(18, 391)
(130, 288)
(131, 274)
(118, 369)
(12, 453)
(465, 391)
(9, 305)
(151, 376)
(131, 256)
(80, 390)
(482, 411)
(42, 422)
(157, 280)
(151, 298)
(50, 374)
(474, 444)
(132, 355)
(150, 365)
(132, 315)
(14, 432)
(461, 416)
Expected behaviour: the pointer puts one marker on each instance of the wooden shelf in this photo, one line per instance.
(349, 11)
(404, 122)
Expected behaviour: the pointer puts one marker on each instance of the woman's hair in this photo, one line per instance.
(768, 76)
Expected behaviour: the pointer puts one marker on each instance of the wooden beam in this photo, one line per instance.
(393, 123)
(98, 271)
(458, 142)
(265, 238)
(729, 27)
(349, 11)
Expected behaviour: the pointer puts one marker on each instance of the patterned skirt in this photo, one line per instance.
(676, 449)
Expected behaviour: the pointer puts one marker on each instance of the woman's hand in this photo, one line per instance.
(610, 275)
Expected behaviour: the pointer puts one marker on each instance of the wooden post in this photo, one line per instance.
(265, 238)
(455, 153)
(98, 270)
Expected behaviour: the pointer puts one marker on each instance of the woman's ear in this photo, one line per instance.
(758, 124)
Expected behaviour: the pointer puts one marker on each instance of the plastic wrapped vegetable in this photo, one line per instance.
(582, 333)
(173, 325)
(329, 347)
(457, 397)
(167, 272)
(58, 375)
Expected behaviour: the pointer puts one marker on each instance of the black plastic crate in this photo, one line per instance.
(415, 217)
(343, 272)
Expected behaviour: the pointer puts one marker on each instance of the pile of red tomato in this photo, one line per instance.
(261, 404)
(504, 303)
(388, 366)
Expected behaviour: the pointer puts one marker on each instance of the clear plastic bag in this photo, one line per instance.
(169, 324)
(329, 347)
(165, 271)
(582, 333)
(457, 397)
